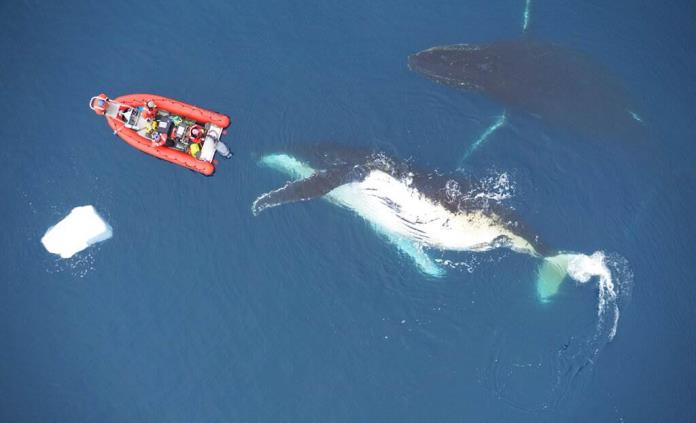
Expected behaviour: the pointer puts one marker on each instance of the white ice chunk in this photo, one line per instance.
(81, 228)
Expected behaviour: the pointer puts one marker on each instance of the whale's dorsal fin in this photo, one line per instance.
(317, 185)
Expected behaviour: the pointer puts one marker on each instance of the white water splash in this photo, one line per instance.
(452, 190)
(582, 268)
(614, 280)
(497, 187)
(469, 265)
(613, 276)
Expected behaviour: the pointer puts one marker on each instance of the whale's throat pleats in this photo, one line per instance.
(395, 208)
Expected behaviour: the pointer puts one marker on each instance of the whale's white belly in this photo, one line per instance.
(394, 206)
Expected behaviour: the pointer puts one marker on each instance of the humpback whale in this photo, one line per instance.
(562, 87)
(415, 211)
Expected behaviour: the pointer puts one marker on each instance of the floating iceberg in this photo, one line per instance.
(81, 228)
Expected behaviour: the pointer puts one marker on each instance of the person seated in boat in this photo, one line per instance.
(195, 148)
(195, 134)
(158, 138)
(122, 111)
(149, 110)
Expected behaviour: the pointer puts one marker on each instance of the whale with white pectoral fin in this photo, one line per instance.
(417, 212)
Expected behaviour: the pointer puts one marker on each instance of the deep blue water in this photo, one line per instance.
(196, 310)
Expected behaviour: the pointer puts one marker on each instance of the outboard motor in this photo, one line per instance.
(223, 150)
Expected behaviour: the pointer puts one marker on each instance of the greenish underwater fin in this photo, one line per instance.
(550, 274)
(416, 253)
(287, 164)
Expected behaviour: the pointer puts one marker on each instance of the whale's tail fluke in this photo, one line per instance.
(612, 274)
(550, 274)
(579, 267)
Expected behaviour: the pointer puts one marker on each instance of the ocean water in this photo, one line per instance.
(196, 310)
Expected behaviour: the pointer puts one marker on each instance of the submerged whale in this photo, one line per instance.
(414, 211)
(562, 87)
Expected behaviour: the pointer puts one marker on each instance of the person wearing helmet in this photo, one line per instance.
(149, 110)
(158, 139)
(196, 134)
(195, 149)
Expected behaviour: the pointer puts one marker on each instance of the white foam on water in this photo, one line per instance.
(81, 228)
(583, 268)
(612, 276)
(468, 266)
(498, 187)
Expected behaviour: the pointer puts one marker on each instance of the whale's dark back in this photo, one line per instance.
(563, 87)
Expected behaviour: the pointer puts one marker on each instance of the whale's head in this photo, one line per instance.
(461, 65)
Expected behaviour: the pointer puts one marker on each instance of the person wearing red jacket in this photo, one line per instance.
(149, 110)
(196, 134)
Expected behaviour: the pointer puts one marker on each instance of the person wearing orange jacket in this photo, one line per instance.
(149, 110)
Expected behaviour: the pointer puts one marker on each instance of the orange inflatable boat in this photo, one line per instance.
(177, 132)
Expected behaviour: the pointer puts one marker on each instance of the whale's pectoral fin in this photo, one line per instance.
(416, 253)
(317, 185)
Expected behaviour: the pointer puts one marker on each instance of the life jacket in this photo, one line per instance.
(195, 150)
